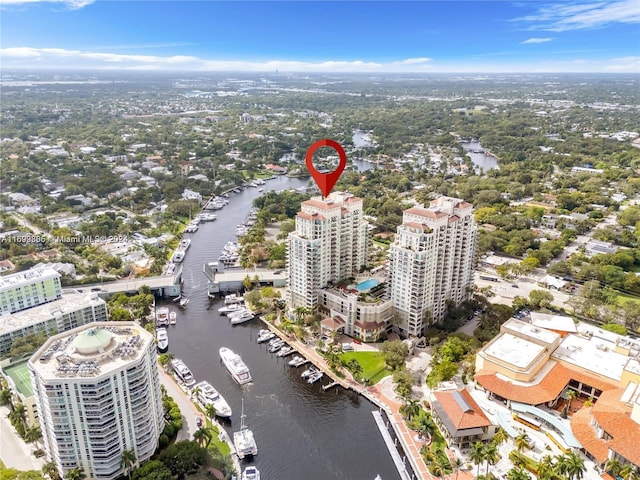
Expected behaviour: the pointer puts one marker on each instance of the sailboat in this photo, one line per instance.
(243, 439)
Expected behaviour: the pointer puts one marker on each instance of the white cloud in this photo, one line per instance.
(624, 64)
(58, 57)
(536, 40)
(563, 17)
(72, 4)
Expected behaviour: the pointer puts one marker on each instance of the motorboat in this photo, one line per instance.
(297, 361)
(178, 256)
(182, 372)
(309, 371)
(172, 317)
(265, 336)
(163, 340)
(315, 376)
(251, 473)
(276, 346)
(183, 301)
(185, 244)
(232, 307)
(236, 367)
(208, 217)
(228, 260)
(284, 351)
(233, 298)
(243, 439)
(241, 316)
(162, 317)
(207, 395)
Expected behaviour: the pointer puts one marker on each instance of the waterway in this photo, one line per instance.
(302, 433)
(483, 163)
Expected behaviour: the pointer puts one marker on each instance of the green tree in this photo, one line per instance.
(75, 474)
(127, 460)
(50, 469)
(210, 411)
(574, 466)
(477, 455)
(518, 473)
(395, 354)
(404, 383)
(613, 467)
(540, 299)
(629, 472)
(491, 455)
(152, 470)
(410, 409)
(523, 442)
(202, 436)
(500, 437)
(183, 458)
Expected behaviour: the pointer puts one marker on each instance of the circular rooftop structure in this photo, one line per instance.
(91, 341)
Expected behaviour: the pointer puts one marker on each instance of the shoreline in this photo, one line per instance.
(374, 394)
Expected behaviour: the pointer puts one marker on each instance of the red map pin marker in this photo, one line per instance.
(326, 181)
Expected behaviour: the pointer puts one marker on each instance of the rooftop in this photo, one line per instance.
(553, 322)
(68, 303)
(524, 328)
(592, 353)
(27, 276)
(514, 350)
(459, 412)
(91, 350)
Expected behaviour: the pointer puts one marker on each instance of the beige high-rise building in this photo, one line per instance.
(431, 261)
(98, 393)
(329, 244)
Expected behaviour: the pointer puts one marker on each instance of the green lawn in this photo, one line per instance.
(372, 363)
(624, 298)
(216, 443)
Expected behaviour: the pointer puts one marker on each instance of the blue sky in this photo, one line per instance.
(365, 36)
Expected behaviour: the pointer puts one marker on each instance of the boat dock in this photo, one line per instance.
(328, 386)
(391, 446)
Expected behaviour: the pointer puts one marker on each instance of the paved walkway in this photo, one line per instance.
(189, 411)
(14, 452)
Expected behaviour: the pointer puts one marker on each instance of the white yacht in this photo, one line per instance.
(309, 371)
(183, 302)
(235, 365)
(243, 439)
(265, 335)
(241, 316)
(178, 256)
(230, 308)
(185, 244)
(314, 377)
(251, 473)
(182, 372)
(207, 395)
(162, 317)
(274, 347)
(162, 339)
(233, 298)
(172, 317)
(297, 361)
(284, 351)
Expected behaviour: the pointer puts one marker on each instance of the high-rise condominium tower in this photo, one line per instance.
(98, 393)
(431, 261)
(329, 244)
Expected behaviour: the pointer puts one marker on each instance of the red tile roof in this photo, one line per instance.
(310, 216)
(423, 212)
(587, 436)
(473, 418)
(546, 390)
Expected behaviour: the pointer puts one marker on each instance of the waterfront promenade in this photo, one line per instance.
(383, 395)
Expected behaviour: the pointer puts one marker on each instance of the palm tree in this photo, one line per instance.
(51, 470)
(425, 425)
(613, 467)
(127, 460)
(456, 465)
(522, 442)
(518, 473)
(476, 455)
(20, 414)
(629, 472)
(33, 434)
(574, 466)
(202, 436)
(210, 411)
(438, 467)
(491, 455)
(500, 437)
(6, 398)
(546, 468)
(411, 408)
(75, 474)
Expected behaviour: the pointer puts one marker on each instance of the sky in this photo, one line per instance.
(330, 36)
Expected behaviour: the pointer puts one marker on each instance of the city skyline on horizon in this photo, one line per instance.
(323, 37)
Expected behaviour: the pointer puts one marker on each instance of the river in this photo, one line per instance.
(302, 433)
(483, 163)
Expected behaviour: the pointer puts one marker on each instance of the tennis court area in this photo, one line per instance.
(19, 374)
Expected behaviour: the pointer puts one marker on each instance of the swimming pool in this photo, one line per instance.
(367, 284)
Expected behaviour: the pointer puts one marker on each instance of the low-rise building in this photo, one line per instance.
(29, 288)
(460, 419)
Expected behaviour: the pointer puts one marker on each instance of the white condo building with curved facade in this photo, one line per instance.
(98, 393)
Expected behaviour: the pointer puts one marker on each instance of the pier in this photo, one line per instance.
(391, 446)
(328, 386)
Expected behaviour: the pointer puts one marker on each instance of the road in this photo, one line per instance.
(14, 452)
(187, 408)
(27, 224)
